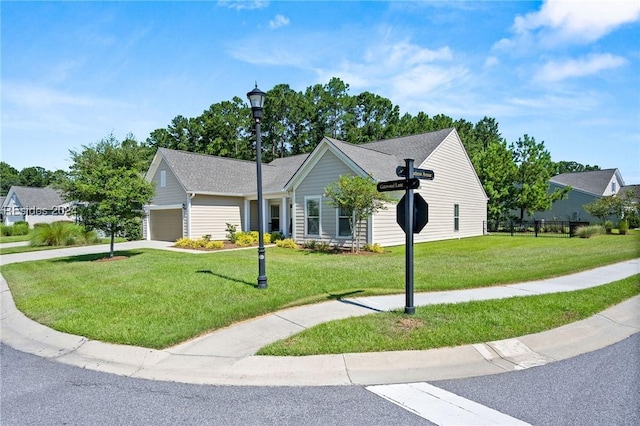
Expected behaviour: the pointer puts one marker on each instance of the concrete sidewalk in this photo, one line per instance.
(227, 356)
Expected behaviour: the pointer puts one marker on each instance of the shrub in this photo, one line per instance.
(245, 239)
(276, 236)
(310, 244)
(589, 231)
(608, 226)
(323, 247)
(90, 237)
(201, 243)
(231, 232)
(131, 229)
(634, 219)
(214, 245)
(18, 228)
(374, 248)
(184, 243)
(61, 234)
(287, 243)
(623, 227)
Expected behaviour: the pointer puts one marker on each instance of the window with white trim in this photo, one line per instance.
(344, 227)
(456, 217)
(163, 178)
(312, 215)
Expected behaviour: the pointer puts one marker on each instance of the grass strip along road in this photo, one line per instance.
(156, 299)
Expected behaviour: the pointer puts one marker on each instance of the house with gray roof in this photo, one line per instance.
(34, 205)
(586, 187)
(199, 194)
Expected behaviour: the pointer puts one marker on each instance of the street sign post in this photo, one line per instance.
(412, 214)
(424, 174)
(398, 185)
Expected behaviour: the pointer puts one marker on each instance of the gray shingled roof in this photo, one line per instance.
(379, 165)
(282, 169)
(593, 182)
(379, 159)
(208, 174)
(419, 147)
(41, 198)
(202, 173)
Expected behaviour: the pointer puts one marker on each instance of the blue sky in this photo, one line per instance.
(565, 72)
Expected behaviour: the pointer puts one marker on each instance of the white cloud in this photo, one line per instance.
(278, 21)
(582, 21)
(243, 4)
(592, 64)
(491, 62)
(39, 97)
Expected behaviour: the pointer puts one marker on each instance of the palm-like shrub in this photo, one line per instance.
(62, 234)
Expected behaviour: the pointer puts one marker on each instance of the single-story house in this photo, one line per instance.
(199, 194)
(586, 187)
(34, 205)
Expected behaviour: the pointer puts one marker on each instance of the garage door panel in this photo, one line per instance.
(166, 225)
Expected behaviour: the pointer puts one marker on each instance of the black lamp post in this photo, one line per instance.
(256, 98)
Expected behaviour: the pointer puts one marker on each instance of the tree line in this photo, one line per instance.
(514, 175)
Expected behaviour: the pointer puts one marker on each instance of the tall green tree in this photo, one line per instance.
(9, 176)
(494, 164)
(35, 176)
(571, 167)
(359, 198)
(531, 184)
(224, 130)
(107, 178)
(285, 122)
(372, 118)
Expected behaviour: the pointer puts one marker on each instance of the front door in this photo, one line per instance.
(275, 218)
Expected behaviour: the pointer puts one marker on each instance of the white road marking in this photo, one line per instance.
(442, 407)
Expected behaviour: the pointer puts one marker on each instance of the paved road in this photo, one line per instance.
(36, 391)
(598, 388)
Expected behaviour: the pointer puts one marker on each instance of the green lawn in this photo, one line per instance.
(158, 298)
(15, 238)
(25, 249)
(454, 324)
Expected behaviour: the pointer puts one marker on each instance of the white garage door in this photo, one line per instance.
(166, 225)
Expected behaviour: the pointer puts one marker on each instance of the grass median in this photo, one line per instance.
(155, 298)
(445, 325)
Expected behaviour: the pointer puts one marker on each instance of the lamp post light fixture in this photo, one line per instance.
(256, 98)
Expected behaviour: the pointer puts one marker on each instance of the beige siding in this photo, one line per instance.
(455, 182)
(327, 170)
(172, 193)
(210, 215)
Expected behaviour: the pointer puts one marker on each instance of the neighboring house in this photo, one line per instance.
(586, 187)
(34, 205)
(199, 194)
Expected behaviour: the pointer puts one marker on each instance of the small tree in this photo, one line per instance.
(532, 177)
(357, 195)
(107, 179)
(617, 205)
